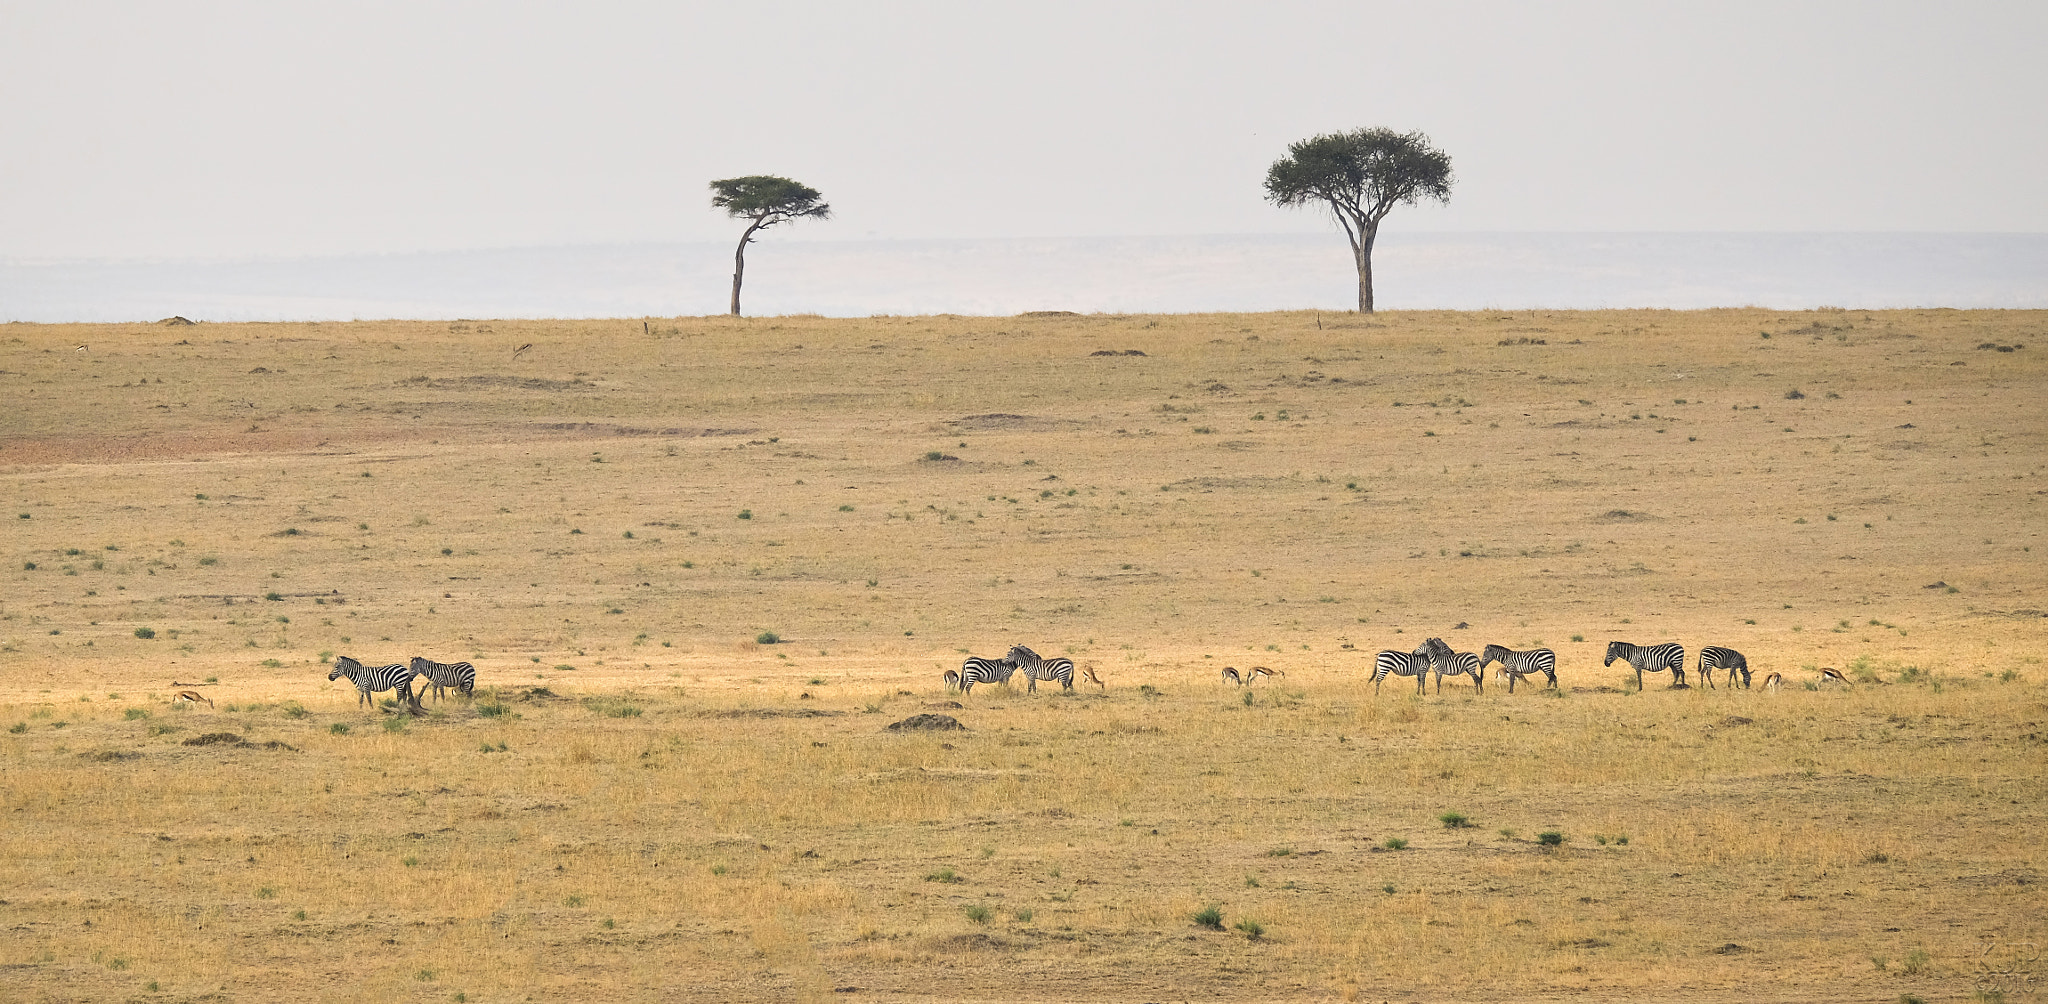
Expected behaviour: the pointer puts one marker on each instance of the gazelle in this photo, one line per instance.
(1829, 674)
(1088, 674)
(1262, 673)
(1774, 681)
(1230, 675)
(191, 697)
(952, 679)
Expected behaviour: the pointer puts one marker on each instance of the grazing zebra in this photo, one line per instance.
(1774, 681)
(397, 676)
(1036, 669)
(1653, 658)
(1448, 663)
(460, 675)
(1829, 674)
(952, 679)
(1261, 672)
(979, 670)
(1231, 675)
(1415, 664)
(1515, 665)
(191, 697)
(1726, 658)
(1088, 673)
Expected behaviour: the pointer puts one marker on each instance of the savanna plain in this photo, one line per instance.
(700, 565)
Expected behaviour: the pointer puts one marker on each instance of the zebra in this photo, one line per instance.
(1726, 658)
(1415, 664)
(1036, 669)
(460, 675)
(1446, 662)
(1654, 658)
(1231, 675)
(1515, 665)
(979, 670)
(397, 676)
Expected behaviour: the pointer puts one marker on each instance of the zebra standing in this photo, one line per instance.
(979, 670)
(397, 676)
(438, 675)
(1415, 664)
(1515, 665)
(1036, 669)
(1653, 658)
(1725, 658)
(1446, 662)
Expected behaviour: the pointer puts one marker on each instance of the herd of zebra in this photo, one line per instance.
(978, 670)
(399, 676)
(1434, 656)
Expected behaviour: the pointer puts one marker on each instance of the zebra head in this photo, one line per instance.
(1614, 651)
(344, 666)
(1493, 653)
(1437, 648)
(1019, 655)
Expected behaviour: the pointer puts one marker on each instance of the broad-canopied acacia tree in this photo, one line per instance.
(1360, 176)
(763, 200)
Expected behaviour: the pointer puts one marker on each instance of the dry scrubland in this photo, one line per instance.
(613, 515)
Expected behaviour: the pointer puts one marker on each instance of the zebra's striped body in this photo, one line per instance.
(1650, 658)
(1415, 664)
(1515, 665)
(439, 675)
(979, 670)
(375, 679)
(1036, 668)
(1446, 662)
(1725, 658)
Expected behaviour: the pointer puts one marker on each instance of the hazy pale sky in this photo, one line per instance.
(205, 129)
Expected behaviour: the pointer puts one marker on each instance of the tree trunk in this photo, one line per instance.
(1364, 251)
(739, 266)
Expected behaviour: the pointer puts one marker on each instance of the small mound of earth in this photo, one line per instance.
(105, 755)
(1622, 516)
(216, 737)
(1732, 948)
(175, 321)
(935, 723)
(943, 705)
(541, 694)
(1114, 352)
(1679, 686)
(1048, 313)
(1737, 720)
(1598, 690)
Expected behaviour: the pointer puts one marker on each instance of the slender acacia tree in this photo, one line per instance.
(763, 200)
(1360, 176)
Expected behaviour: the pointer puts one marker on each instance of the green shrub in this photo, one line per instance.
(1395, 844)
(338, 728)
(1252, 929)
(767, 637)
(1550, 838)
(490, 710)
(977, 913)
(944, 876)
(273, 597)
(746, 514)
(293, 709)
(394, 725)
(1023, 916)
(1210, 917)
(1454, 820)
(145, 633)
(1916, 962)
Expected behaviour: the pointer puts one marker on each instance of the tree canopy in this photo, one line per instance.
(1360, 176)
(763, 200)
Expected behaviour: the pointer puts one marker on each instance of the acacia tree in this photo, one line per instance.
(763, 200)
(1360, 176)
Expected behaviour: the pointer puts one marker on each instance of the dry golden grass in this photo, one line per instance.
(680, 821)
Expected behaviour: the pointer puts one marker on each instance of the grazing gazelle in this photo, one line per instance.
(1088, 673)
(191, 697)
(1774, 681)
(1829, 674)
(1260, 672)
(952, 679)
(1230, 675)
